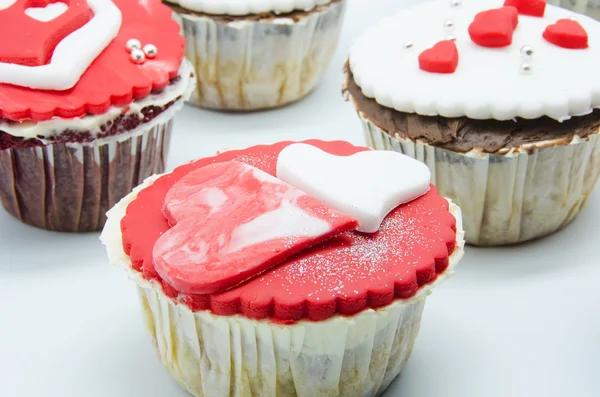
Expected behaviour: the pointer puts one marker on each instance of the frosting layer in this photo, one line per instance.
(247, 7)
(117, 120)
(489, 83)
(462, 134)
(345, 275)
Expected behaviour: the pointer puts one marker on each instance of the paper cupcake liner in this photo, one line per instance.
(69, 187)
(511, 198)
(217, 356)
(251, 65)
(223, 356)
(587, 7)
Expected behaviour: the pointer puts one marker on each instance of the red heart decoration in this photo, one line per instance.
(566, 33)
(441, 58)
(494, 28)
(535, 8)
(36, 47)
(231, 222)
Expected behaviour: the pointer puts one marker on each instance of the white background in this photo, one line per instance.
(518, 321)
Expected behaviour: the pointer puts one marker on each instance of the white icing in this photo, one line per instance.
(358, 185)
(48, 13)
(245, 7)
(92, 123)
(72, 56)
(4, 4)
(269, 226)
(488, 83)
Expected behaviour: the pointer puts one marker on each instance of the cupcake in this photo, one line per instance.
(255, 54)
(87, 99)
(500, 101)
(588, 7)
(295, 269)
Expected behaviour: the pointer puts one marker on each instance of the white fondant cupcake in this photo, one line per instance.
(252, 287)
(499, 99)
(88, 91)
(257, 54)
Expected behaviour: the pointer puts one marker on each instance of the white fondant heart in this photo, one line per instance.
(366, 185)
(4, 4)
(48, 13)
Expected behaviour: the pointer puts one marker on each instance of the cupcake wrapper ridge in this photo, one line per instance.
(509, 198)
(252, 65)
(69, 187)
(217, 356)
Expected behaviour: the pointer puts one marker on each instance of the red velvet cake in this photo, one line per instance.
(86, 102)
(294, 269)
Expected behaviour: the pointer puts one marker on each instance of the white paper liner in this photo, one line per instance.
(250, 65)
(587, 7)
(510, 198)
(69, 187)
(222, 356)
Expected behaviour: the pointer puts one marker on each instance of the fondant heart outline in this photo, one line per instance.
(4, 4)
(47, 13)
(231, 222)
(72, 56)
(367, 185)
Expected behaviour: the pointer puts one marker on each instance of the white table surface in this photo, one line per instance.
(519, 321)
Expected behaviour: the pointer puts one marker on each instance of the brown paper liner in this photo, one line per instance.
(69, 187)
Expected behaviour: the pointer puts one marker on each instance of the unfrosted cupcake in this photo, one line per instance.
(88, 91)
(500, 103)
(252, 286)
(258, 54)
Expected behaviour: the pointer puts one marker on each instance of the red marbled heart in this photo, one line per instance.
(535, 8)
(441, 58)
(567, 33)
(494, 28)
(231, 222)
(36, 47)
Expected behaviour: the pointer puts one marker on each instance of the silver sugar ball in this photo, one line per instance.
(407, 45)
(455, 3)
(133, 43)
(137, 56)
(527, 52)
(448, 24)
(525, 68)
(150, 50)
(450, 37)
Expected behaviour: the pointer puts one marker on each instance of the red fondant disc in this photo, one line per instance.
(112, 79)
(345, 275)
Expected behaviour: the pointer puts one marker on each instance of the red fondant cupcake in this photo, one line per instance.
(286, 270)
(87, 98)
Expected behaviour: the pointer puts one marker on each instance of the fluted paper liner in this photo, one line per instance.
(587, 7)
(69, 187)
(251, 65)
(222, 356)
(509, 198)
